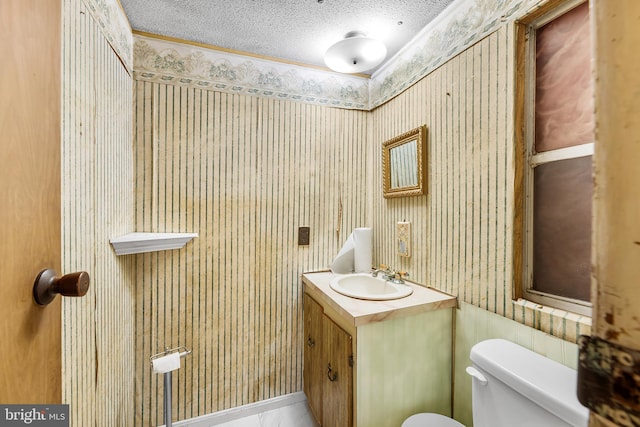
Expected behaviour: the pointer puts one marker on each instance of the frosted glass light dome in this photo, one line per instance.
(355, 53)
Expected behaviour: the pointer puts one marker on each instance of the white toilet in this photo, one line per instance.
(513, 386)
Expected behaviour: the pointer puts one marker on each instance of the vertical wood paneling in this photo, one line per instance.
(462, 230)
(244, 173)
(97, 200)
(459, 227)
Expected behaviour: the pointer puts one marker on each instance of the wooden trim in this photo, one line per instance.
(519, 153)
(524, 197)
(543, 13)
(616, 233)
(524, 162)
(453, 357)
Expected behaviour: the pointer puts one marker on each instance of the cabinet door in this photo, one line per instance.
(338, 378)
(314, 362)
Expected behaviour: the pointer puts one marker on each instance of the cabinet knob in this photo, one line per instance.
(311, 342)
(330, 374)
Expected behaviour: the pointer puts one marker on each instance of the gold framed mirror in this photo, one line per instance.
(404, 164)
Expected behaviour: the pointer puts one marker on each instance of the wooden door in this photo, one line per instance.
(616, 243)
(338, 376)
(30, 347)
(313, 371)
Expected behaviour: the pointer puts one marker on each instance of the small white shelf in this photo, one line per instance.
(136, 243)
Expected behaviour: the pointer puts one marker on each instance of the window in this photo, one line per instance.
(558, 133)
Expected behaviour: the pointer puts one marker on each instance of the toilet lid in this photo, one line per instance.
(430, 420)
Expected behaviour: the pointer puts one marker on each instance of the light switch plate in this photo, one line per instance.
(303, 236)
(404, 239)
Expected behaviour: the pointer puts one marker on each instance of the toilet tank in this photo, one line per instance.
(523, 389)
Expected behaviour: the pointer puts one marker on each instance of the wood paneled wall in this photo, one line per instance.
(244, 173)
(97, 202)
(461, 230)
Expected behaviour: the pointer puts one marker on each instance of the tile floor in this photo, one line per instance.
(295, 415)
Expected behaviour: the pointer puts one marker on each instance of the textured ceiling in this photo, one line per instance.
(290, 30)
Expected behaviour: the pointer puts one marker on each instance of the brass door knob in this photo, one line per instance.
(47, 285)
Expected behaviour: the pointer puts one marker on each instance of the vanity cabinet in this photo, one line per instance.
(313, 356)
(328, 366)
(375, 363)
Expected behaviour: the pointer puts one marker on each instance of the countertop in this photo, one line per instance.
(359, 312)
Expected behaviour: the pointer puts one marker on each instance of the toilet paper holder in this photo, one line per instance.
(184, 351)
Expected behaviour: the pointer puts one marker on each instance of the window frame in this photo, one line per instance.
(529, 159)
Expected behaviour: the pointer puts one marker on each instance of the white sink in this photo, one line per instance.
(365, 286)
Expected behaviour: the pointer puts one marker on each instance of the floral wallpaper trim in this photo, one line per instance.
(115, 27)
(458, 27)
(461, 25)
(165, 61)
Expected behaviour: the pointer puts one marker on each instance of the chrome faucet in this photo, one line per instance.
(397, 277)
(389, 274)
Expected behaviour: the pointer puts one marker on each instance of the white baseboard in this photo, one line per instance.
(242, 411)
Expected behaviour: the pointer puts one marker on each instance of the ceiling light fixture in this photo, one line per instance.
(355, 53)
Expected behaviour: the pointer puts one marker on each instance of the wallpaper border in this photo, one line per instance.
(458, 27)
(461, 25)
(164, 61)
(115, 27)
